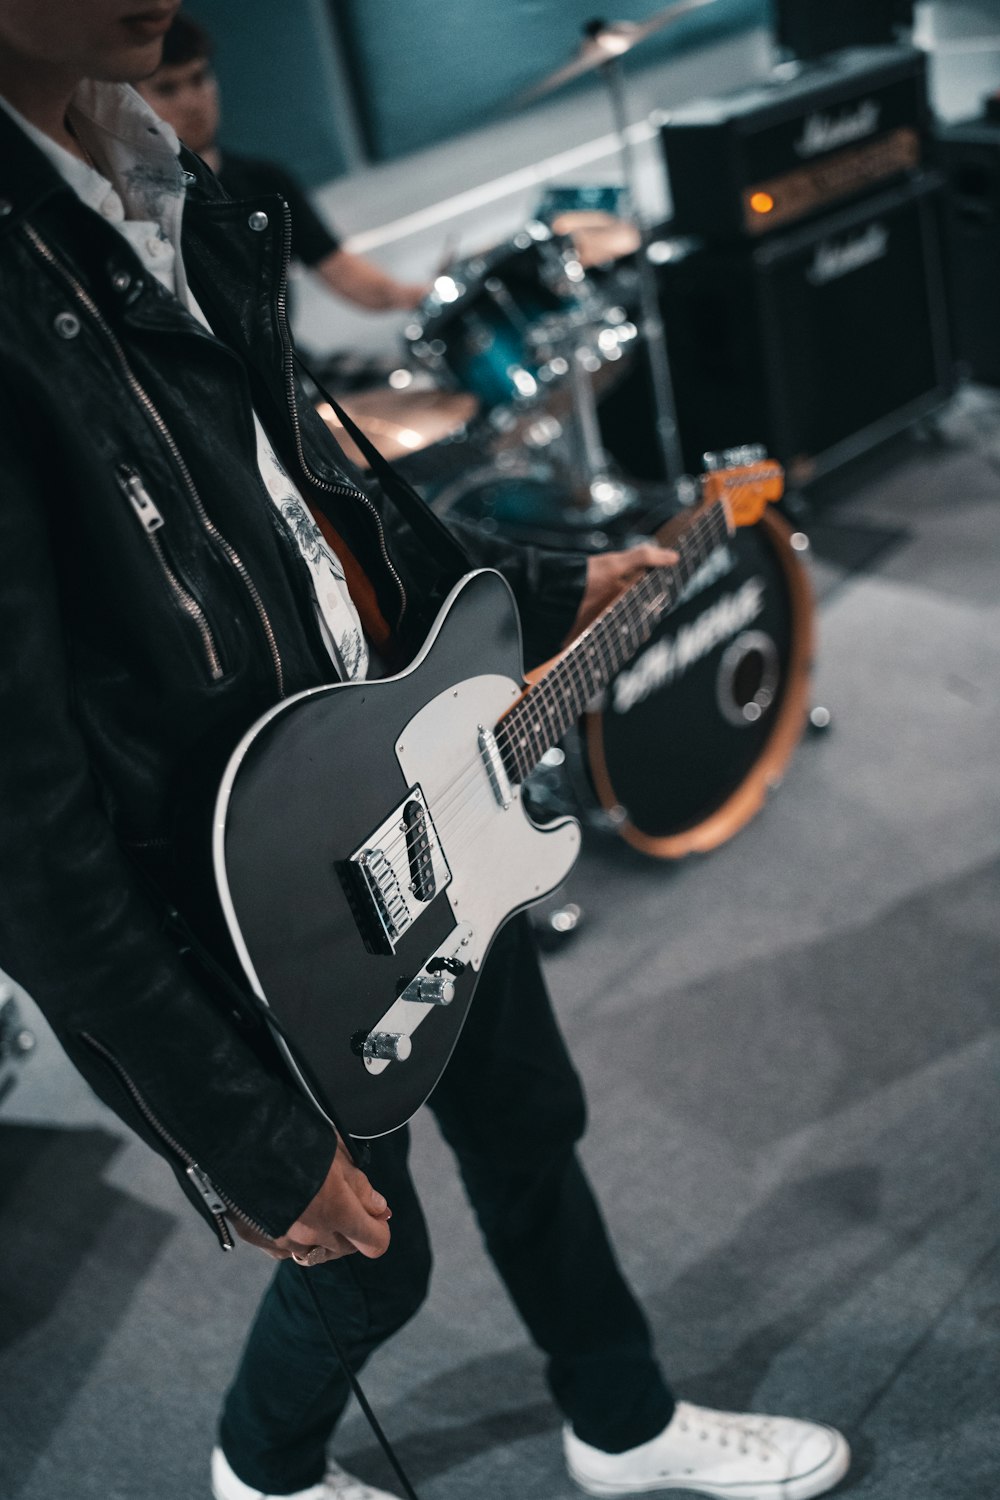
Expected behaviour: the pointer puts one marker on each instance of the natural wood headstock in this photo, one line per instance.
(748, 488)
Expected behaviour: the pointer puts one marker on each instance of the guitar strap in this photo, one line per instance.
(434, 534)
(360, 587)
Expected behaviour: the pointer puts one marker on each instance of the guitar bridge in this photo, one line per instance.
(396, 873)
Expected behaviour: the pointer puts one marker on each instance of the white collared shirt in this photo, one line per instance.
(135, 181)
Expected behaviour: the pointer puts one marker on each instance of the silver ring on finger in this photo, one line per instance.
(312, 1257)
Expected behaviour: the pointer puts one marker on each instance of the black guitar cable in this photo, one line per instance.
(188, 942)
(359, 1394)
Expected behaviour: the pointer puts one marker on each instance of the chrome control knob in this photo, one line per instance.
(15, 1038)
(24, 1041)
(434, 991)
(387, 1046)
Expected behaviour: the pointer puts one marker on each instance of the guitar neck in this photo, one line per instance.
(542, 715)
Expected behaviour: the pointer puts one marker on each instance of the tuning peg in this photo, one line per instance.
(747, 453)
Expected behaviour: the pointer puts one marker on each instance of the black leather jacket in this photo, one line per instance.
(152, 605)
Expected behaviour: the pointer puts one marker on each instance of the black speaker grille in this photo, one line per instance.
(815, 341)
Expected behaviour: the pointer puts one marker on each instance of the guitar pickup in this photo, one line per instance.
(493, 761)
(395, 873)
(419, 850)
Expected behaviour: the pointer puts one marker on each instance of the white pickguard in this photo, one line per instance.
(499, 860)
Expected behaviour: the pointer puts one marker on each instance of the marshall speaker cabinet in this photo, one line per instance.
(820, 341)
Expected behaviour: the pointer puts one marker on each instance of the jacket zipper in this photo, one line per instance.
(152, 523)
(218, 1203)
(345, 488)
(87, 302)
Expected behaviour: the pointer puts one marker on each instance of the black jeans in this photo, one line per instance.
(511, 1107)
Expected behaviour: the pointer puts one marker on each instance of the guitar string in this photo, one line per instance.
(541, 729)
(449, 811)
(459, 821)
(634, 609)
(444, 811)
(523, 733)
(530, 731)
(660, 581)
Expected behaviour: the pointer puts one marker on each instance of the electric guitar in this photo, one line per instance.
(370, 839)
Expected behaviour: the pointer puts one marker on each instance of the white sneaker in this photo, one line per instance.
(721, 1453)
(337, 1485)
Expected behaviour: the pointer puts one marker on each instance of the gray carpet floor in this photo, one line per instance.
(792, 1055)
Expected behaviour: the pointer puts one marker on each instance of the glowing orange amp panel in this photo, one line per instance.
(795, 194)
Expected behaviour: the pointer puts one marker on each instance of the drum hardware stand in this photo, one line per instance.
(602, 48)
(664, 405)
(603, 494)
(554, 926)
(796, 505)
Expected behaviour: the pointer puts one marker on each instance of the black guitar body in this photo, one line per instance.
(365, 862)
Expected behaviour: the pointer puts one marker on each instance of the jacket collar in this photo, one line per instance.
(27, 177)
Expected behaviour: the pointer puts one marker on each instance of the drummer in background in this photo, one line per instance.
(184, 92)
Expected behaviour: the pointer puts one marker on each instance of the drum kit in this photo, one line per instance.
(495, 418)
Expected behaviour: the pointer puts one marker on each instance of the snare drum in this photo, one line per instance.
(496, 325)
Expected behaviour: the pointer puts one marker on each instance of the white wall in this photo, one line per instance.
(963, 40)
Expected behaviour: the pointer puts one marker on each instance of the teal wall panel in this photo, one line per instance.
(423, 70)
(318, 84)
(279, 80)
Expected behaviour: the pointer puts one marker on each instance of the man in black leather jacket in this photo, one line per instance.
(137, 647)
(153, 605)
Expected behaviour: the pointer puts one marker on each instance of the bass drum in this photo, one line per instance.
(701, 726)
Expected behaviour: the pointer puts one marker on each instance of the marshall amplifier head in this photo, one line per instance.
(802, 141)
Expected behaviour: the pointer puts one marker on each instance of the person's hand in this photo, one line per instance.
(346, 1216)
(409, 294)
(611, 573)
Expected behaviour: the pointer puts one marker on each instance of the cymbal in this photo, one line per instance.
(604, 42)
(597, 237)
(399, 422)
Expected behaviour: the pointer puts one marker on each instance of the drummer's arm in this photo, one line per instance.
(363, 282)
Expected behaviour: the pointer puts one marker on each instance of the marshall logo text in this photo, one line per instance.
(836, 258)
(826, 132)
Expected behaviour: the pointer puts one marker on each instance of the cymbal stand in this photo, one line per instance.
(603, 494)
(664, 406)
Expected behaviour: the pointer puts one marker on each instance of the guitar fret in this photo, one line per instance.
(548, 708)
